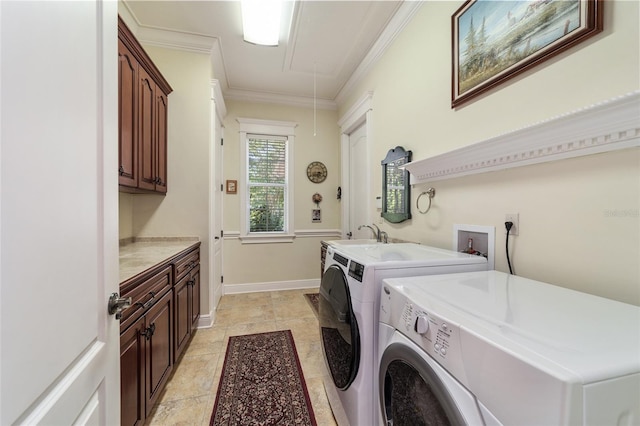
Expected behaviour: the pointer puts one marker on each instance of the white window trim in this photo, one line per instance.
(270, 128)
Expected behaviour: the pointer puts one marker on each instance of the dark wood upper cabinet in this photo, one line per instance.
(127, 107)
(161, 146)
(143, 108)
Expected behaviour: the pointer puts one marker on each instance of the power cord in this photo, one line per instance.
(508, 225)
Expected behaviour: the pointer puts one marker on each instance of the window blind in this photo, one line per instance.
(267, 179)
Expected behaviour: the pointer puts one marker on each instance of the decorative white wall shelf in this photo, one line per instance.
(603, 127)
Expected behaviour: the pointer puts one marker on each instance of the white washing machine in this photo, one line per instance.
(348, 315)
(492, 348)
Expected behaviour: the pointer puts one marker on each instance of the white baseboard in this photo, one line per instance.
(206, 321)
(271, 286)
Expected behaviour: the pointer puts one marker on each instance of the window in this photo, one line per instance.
(266, 182)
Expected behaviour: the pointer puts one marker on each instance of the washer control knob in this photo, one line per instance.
(422, 324)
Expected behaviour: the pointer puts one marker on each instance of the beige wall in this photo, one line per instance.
(567, 236)
(299, 260)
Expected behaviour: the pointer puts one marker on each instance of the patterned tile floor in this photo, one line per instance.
(189, 396)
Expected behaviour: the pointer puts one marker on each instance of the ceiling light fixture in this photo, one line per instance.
(261, 21)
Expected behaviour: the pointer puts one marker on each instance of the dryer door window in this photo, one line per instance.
(338, 328)
(411, 392)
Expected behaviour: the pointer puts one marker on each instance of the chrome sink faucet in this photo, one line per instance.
(377, 233)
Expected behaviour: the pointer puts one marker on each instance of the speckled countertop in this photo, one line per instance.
(143, 253)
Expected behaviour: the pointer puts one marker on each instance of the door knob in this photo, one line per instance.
(118, 304)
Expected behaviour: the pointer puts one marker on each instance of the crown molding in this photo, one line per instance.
(603, 127)
(272, 98)
(194, 43)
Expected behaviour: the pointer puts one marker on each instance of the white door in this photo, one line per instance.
(59, 348)
(359, 202)
(218, 195)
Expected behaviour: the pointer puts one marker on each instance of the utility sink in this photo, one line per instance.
(360, 242)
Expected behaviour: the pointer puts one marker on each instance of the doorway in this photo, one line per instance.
(218, 111)
(359, 183)
(356, 190)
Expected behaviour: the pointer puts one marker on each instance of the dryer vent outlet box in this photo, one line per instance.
(481, 238)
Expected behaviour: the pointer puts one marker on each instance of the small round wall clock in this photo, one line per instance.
(317, 172)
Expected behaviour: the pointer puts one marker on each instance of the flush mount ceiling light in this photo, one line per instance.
(261, 21)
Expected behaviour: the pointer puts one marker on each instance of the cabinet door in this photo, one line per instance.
(182, 300)
(161, 141)
(132, 358)
(159, 350)
(146, 131)
(127, 82)
(195, 297)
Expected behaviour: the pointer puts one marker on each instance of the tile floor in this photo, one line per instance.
(189, 396)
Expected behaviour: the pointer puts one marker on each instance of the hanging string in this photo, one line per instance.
(314, 98)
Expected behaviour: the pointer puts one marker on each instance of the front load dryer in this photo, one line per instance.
(348, 315)
(497, 349)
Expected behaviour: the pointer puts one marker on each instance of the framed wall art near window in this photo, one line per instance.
(232, 187)
(492, 41)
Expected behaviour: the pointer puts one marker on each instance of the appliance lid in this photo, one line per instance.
(586, 336)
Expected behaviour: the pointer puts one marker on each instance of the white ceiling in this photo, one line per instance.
(328, 45)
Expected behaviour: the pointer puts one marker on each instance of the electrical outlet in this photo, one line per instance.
(515, 218)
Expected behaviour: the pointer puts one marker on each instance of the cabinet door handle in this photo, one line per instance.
(121, 170)
(149, 331)
(191, 282)
(149, 302)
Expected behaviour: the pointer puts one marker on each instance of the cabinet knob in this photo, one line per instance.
(121, 170)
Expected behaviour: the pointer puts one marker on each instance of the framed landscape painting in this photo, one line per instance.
(492, 41)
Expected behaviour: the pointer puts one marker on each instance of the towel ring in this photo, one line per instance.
(431, 192)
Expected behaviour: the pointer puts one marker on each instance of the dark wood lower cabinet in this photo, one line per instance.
(146, 360)
(132, 362)
(187, 302)
(195, 297)
(182, 292)
(156, 334)
(159, 348)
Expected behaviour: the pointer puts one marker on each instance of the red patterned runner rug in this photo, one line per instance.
(314, 300)
(262, 383)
